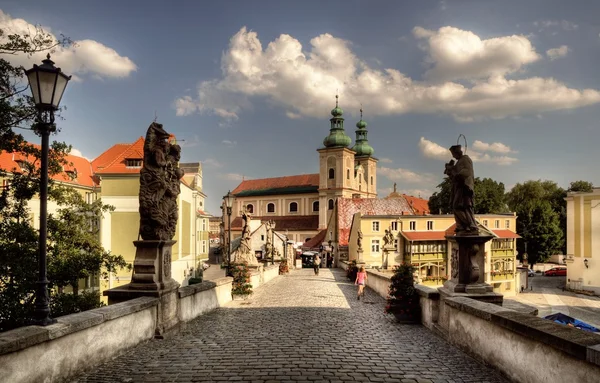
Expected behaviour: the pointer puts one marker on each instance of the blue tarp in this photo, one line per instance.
(565, 319)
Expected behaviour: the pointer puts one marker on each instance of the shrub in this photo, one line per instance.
(402, 298)
(241, 280)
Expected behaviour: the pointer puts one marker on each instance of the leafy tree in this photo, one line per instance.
(488, 198)
(581, 186)
(541, 221)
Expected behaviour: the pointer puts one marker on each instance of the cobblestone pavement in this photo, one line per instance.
(298, 327)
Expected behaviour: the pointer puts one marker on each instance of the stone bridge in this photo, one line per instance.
(297, 327)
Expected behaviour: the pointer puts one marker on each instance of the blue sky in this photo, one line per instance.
(249, 85)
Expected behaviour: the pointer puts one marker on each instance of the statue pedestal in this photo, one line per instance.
(467, 264)
(359, 257)
(152, 278)
(385, 256)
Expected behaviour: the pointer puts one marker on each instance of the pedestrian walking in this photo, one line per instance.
(317, 264)
(361, 281)
(329, 260)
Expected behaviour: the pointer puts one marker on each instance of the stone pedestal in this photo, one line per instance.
(385, 256)
(152, 278)
(467, 264)
(359, 257)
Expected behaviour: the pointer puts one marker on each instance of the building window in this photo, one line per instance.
(262, 237)
(497, 224)
(395, 226)
(271, 208)
(203, 247)
(133, 163)
(374, 246)
(203, 225)
(429, 225)
(250, 208)
(293, 207)
(331, 173)
(5, 184)
(485, 222)
(348, 173)
(330, 204)
(396, 245)
(316, 206)
(412, 225)
(507, 224)
(371, 180)
(375, 225)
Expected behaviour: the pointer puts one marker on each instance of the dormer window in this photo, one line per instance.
(133, 163)
(22, 165)
(72, 174)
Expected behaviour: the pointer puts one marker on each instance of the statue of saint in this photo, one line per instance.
(388, 238)
(462, 178)
(359, 239)
(245, 241)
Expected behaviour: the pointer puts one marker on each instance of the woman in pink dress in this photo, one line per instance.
(361, 281)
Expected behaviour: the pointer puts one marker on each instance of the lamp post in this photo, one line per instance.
(273, 241)
(228, 199)
(47, 84)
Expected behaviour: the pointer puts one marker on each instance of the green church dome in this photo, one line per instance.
(362, 147)
(337, 111)
(361, 124)
(337, 139)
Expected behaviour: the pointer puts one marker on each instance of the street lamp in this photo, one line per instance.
(228, 199)
(47, 84)
(273, 241)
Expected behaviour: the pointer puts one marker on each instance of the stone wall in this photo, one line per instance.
(75, 342)
(195, 300)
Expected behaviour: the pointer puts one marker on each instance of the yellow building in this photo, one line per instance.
(421, 240)
(583, 241)
(117, 170)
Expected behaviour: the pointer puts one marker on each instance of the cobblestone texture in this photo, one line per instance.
(297, 328)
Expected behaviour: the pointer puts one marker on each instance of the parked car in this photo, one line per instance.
(556, 271)
(530, 273)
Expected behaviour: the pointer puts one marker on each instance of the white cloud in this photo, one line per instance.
(556, 53)
(386, 160)
(433, 150)
(212, 163)
(229, 143)
(293, 116)
(549, 24)
(233, 177)
(85, 57)
(404, 175)
(497, 147)
(458, 54)
(303, 81)
(77, 153)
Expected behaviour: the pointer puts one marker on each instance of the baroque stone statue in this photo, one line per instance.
(359, 239)
(462, 179)
(388, 238)
(159, 185)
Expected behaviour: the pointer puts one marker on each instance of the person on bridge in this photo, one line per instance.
(361, 281)
(317, 264)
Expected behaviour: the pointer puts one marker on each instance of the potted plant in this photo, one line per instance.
(283, 267)
(241, 287)
(403, 300)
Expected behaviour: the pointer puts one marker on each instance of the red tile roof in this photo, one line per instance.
(347, 207)
(292, 222)
(503, 233)
(419, 205)
(424, 235)
(316, 241)
(79, 165)
(112, 161)
(301, 183)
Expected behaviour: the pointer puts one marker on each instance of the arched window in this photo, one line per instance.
(330, 204)
(371, 180)
(316, 206)
(331, 173)
(250, 208)
(348, 173)
(271, 208)
(293, 207)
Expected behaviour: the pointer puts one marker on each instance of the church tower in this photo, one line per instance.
(336, 167)
(366, 164)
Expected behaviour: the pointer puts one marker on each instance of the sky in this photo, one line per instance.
(247, 87)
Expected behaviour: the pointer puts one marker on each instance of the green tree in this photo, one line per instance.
(581, 186)
(488, 197)
(541, 218)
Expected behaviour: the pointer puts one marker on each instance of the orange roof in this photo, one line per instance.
(419, 205)
(347, 207)
(265, 184)
(112, 161)
(424, 235)
(282, 223)
(503, 233)
(316, 241)
(79, 165)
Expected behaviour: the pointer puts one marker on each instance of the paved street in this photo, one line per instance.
(298, 327)
(548, 297)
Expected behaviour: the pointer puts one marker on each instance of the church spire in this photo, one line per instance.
(337, 137)
(362, 147)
